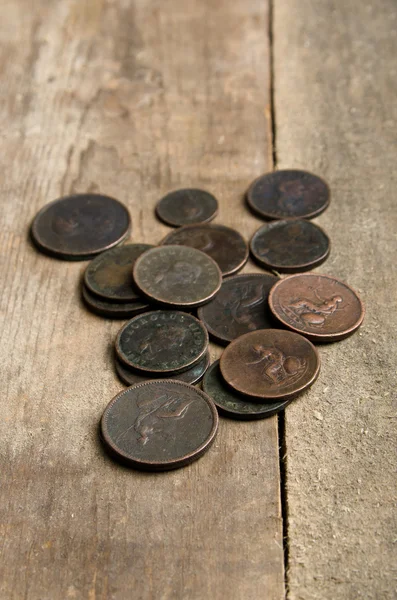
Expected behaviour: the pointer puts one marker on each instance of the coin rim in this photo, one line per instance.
(292, 394)
(166, 303)
(271, 216)
(316, 337)
(297, 267)
(176, 224)
(212, 226)
(154, 371)
(113, 309)
(71, 256)
(160, 465)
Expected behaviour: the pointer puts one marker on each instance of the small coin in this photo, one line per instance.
(240, 306)
(270, 364)
(186, 207)
(177, 276)
(162, 342)
(192, 375)
(233, 404)
(112, 310)
(319, 307)
(109, 275)
(288, 194)
(225, 245)
(159, 425)
(80, 226)
(290, 246)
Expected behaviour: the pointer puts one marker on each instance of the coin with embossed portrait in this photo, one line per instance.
(269, 364)
(177, 276)
(80, 226)
(186, 207)
(225, 245)
(159, 425)
(320, 307)
(240, 306)
(162, 341)
(288, 194)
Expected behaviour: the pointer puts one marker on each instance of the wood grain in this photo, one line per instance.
(132, 99)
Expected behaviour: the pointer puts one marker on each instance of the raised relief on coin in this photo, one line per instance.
(305, 312)
(178, 274)
(277, 368)
(186, 207)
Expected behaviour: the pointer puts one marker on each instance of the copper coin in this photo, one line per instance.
(192, 375)
(288, 194)
(240, 306)
(186, 207)
(80, 226)
(320, 307)
(162, 342)
(290, 246)
(270, 363)
(177, 276)
(109, 275)
(112, 310)
(159, 425)
(235, 405)
(225, 245)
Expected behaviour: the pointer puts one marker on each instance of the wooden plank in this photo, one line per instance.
(335, 90)
(131, 98)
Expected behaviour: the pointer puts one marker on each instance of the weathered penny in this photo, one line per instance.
(109, 275)
(112, 310)
(186, 207)
(288, 194)
(80, 226)
(290, 246)
(270, 364)
(225, 245)
(319, 307)
(177, 276)
(159, 425)
(162, 341)
(240, 306)
(233, 404)
(192, 375)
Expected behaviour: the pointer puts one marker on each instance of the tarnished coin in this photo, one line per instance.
(80, 226)
(109, 275)
(319, 307)
(270, 363)
(112, 310)
(162, 341)
(290, 246)
(186, 207)
(288, 194)
(159, 425)
(240, 306)
(177, 276)
(233, 404)
(225, 245)
(192, 375)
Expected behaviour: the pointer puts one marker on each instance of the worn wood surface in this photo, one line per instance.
(335, 103)
(132, 98)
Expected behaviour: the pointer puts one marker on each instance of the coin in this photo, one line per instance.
(290, 246)
(177, 276)
(233, 404)
(192, 375)
(109, 275)
(270, 364)
(240, 306)
(162, 342)
(80, 226)
(320, 307)
(159, 425)
(288, 194)
(225, 245)
(112, 310)
(187, 206)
